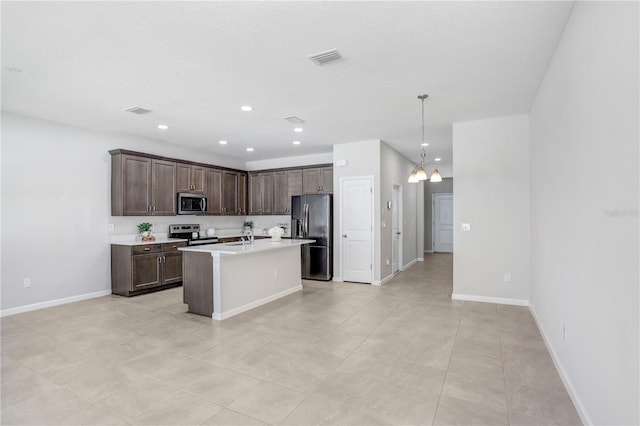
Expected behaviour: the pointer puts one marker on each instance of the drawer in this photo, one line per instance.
(147, 248)
(167, 247)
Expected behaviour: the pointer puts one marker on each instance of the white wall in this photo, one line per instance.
(395, 169)
(386, 166)
(56, 206)
(296, 161)
(363, 159)
(584, 209)
(491, 187)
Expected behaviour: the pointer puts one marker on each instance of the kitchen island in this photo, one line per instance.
(223, 280)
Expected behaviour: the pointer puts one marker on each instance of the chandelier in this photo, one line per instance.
(419, 173)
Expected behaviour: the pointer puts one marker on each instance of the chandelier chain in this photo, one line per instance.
(423, 122)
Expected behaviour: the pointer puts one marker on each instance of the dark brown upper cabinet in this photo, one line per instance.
(318, 180)
(261, 193)
(142, 186)
(230, 193)
(213, 189)
(242, 193)
(190, 178)
(286, 184)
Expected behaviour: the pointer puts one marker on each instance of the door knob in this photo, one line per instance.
(399, 233)
(344, 235)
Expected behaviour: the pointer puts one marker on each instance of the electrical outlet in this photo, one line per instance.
(275, 273)
(465, 227)
(387, 261)
(507, 277)
(564, 333)
(27, 282)
(112, 227)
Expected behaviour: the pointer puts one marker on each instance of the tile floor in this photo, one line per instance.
(335, 353)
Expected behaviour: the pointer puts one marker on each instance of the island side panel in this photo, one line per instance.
(253, 279)
(197, 282)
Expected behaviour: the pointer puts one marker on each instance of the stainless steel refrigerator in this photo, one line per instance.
(312, 218)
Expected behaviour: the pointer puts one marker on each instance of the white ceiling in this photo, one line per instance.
(195, 63)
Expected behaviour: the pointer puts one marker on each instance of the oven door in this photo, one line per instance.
(192, 204)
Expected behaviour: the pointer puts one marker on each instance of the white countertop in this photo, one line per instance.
(131, 240)
(238, 248)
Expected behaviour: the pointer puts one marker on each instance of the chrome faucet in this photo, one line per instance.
(249, 234)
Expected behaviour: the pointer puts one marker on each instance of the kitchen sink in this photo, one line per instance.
(239, 243)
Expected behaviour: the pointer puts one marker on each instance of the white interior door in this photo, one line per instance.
(356, 219)
(442, 215)
(396, 230)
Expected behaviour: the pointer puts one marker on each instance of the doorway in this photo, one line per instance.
(442, 222)
(396, 231)
(356, 229)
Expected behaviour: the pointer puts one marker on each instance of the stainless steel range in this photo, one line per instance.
(191, 233)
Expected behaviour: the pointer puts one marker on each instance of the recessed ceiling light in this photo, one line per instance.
(246, 108)
(424, 144)
(222, 142)
(163, 126)
(436, 159)
(298, 129)
(296, 142)
(249, 149)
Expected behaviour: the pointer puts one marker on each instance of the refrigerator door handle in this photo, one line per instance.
(306, 220)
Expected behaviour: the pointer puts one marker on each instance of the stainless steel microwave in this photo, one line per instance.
(193, 204)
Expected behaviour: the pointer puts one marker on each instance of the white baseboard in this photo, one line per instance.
(255, 304)
(582, 412)
(384, 280)
(337, 279)
(414, 261)
(488, 299)
(421, 259)
(50, 303)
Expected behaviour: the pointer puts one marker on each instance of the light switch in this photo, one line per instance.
(466, 227)
(384, 224)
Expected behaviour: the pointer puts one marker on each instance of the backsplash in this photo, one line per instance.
(126, 225)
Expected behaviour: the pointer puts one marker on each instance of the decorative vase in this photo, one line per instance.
(147, 236)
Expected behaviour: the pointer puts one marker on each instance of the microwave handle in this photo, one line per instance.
(203, 204)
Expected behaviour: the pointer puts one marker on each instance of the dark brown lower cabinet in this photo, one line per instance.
(143, 268)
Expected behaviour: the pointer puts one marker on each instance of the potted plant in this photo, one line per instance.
(247, 225)
(144, 229)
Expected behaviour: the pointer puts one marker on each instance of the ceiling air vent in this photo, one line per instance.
(293, 119)
(324, 57)
(138, 110)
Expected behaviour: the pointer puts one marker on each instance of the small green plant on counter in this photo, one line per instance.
(144, 227)
(248, 224)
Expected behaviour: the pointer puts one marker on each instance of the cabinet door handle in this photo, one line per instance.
(164, 259)
(147, 248)
(149, 209)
